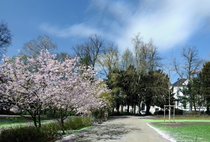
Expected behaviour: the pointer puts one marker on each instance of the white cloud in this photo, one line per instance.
(169, 23)
(117, 9)
(79, 30)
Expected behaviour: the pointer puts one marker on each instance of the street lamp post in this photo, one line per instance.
(169, 102)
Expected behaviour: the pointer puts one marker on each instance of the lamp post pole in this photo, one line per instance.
(169, 102)
(169, 99)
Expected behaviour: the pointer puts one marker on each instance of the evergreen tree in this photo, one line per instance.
(114, 83)
(205, 77)
(155, 86)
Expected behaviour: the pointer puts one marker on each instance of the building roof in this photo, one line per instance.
(180, 82)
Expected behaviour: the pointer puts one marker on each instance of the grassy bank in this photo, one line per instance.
(185, 129)
(8, 122)
(18, 131)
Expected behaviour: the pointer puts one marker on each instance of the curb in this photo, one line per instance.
(165, 136)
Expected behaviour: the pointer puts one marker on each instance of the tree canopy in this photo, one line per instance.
(5, 38)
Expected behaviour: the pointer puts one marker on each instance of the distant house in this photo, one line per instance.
(181, 99)
(178, 86)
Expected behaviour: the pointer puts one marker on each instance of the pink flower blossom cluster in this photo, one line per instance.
(44, 82)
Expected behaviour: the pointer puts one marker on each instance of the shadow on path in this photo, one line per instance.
(118, 129)
(102, 132)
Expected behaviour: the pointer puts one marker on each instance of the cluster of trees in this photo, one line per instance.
(204, 86)
(129, 88)
(134, 77)
(138, 79)
(37, 81)
(196, 92)
(35, 84)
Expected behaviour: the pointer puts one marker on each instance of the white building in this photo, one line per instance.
(178, 87)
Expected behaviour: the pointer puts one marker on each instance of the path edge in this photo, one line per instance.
(165, 136)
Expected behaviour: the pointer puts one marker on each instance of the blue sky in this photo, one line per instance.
(171, 24)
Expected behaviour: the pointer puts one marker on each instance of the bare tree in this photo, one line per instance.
(127, 59)
(88, 52)
(33, 47)
(146, 55)
(188, 68)
(5, 38)
(62, 56)
(192, 61)
(109, 60)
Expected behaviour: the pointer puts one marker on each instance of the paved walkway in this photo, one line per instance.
(119, 129)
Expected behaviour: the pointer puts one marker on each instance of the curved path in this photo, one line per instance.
(119, 129)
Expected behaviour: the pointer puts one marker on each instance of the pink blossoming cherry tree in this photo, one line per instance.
(38, 83)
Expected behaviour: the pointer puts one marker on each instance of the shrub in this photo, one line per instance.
(46, 133)
(24, 134)
(207, 112)
(179, 111)
(74, 123)
(7, 112)
(51, 130)
(87, 121)
(100, 115)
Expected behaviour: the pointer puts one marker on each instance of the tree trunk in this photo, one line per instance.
(191, 105)
(207, 109)
(147, 109)
(62, 121)
(134, 109)
(33, 116)
(139, 105)
(208, 105)
(128, 107)
(194, 105)
(122, 108)
(62, 125)
(191, 99)
(39, 119)
(34, 119)
(118, 108)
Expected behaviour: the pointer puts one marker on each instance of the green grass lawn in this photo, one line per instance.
(177, 120)
(185, 129)
(18, 122)
(8, 122)
(196, 118)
